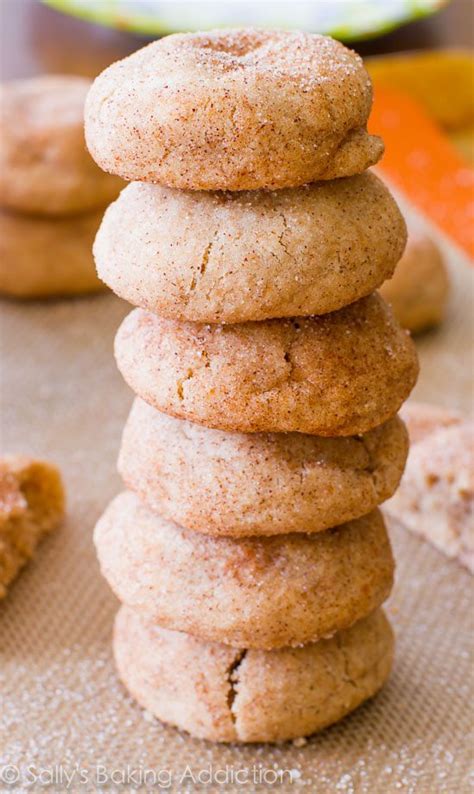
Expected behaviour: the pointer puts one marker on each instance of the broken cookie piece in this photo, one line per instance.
(31, 505)
(436, 496)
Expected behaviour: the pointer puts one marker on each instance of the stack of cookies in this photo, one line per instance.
(52, 195)
(248, 551)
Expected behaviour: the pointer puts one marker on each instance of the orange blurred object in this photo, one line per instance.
(420, 160)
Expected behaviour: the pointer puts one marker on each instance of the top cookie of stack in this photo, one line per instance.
(234, 110)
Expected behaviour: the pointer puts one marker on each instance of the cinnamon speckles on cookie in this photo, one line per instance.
(233, 257)
(269, 375)
(240, 484)
(240, 695)
(336, 375)
(233, 110)
(247, 592)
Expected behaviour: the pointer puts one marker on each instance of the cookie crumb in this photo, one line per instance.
(300, 741)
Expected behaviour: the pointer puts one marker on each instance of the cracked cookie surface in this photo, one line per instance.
(240, 695)
(336, 375)
(263, 592)
(234, 257)
(233, 110)
(238, 484)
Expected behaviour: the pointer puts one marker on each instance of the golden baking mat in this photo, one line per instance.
(63, 714)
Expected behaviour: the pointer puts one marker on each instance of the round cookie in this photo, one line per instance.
(233, 110)
(238, 484)
(238, 695)
(336, 375)
(251, 592)
(234, 257)
(419, 290)
(46, 257)
(44, 164)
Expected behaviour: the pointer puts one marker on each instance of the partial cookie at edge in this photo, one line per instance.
(419, 289)
(435, 499)
(44, 257)
(31, 505)
(45, 168)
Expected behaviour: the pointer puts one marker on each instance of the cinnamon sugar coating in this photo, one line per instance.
(336, 375)
(240, 484)
(233, 110)
(251, 592)
(239, 695)
(233, 257)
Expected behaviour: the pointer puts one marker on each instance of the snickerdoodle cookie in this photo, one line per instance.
(436, 496)
(238, 695)
(44, 164)
(419, 289)
(233, 110)
(262, 592)
(422, 419)
(31, 505)
(42, 257)
(239, 484)
(233, 257)
(336, 375)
